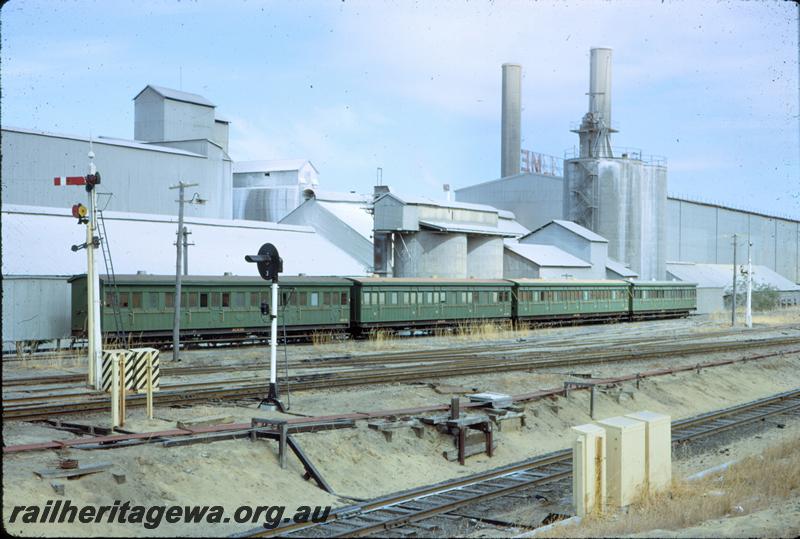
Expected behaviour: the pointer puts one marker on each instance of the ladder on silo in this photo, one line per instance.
(111, 279)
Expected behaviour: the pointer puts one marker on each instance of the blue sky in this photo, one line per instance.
(414, 87)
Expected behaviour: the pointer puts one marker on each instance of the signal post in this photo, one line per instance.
(89, 218)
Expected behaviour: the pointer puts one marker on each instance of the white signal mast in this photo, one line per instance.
(89, 218)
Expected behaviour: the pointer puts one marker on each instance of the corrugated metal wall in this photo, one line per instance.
(138, 178)
(698, 232)
(35, 308)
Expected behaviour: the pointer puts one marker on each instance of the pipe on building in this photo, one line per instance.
(510, 129)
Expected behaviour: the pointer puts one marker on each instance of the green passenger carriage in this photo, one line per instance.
(659, 299)
(229, 307)
(399, 303)
(215, 306)
(536, 299)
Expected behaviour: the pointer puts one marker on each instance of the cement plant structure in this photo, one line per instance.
(621, 195)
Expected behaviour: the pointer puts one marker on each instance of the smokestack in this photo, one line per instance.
(600, 85)
(595, 130)
(510, 133)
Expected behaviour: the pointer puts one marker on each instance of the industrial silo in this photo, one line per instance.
(620, 196)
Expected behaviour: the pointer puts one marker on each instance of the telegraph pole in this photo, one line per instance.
(733, 297)
(176, 325)
(748, 313)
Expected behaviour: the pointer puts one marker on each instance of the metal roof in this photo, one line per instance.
(506, 178)
(356, 215)
(177, 95)
(575, 228)
(721, 275)
(569, 282)
(511, 226)
(200, 280)
(422, 201)
(111, 141)
(620, 269)
(742, 209)
(548, 256)
(405, 281)
(271, 165)
(466, 228)
(36, 241)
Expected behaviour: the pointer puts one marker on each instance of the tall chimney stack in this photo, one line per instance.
(595, 130)
(600, 85)
(510, 132)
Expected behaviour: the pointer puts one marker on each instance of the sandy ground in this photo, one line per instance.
(357, 462)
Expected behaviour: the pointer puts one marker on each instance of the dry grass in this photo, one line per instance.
(749, 485)
(320, 338)
(485, 330)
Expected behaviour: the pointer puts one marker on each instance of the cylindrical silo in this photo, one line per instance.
(510, 129)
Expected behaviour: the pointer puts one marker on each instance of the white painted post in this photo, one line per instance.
(93, 289)
(115, 391)
(123, 392)
(273, 342)
(150, 385)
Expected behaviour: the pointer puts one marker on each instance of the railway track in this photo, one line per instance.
(42, 406)
(384, 358)
(397, 510)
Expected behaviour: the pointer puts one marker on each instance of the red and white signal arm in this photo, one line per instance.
(60, 181)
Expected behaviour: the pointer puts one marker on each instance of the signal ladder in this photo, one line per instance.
(111, 279)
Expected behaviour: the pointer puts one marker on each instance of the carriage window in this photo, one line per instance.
(136, 300)
(254, 299)
(314, 296)
(413, 298)
(204, 300)
(405, 298)
(394, 298)
(152, 300)
(326, 298)
(123, 299)
(366, 298)
(193, 299)
(215, 299)
(109, 299)
(494, 297)
(302, 298)
(344, 298)
(169, 299)
(264, 298)
(226, 299)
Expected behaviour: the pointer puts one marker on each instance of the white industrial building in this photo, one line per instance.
(419, 237)
(37, 260)
(562, 250)
(269, 190)
(344, 219)
(177, 137)
(715, 283)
